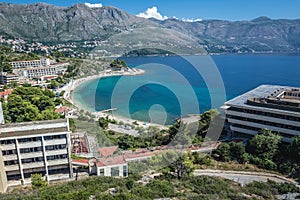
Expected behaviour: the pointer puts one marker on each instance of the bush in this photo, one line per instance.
(37, 181)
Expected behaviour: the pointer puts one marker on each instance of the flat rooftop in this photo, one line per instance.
(32, 128)
(272, 97)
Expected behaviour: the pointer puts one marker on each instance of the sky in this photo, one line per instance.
(194, 9)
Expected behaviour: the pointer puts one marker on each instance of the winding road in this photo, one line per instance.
(244, 177)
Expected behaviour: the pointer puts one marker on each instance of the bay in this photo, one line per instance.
(172, 87)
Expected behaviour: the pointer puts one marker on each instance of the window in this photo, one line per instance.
(125, 171)
(30, 150)
(13, 177)
(11, 162)
(48, 137)
(58, 171)
(25, 150)
(50, 157)
(34, 139)
(9, 152)
(101, 172)
(114, 171)
(49, 148)
(7, 142)
(28, 160)
(23, 140)
(56, 157)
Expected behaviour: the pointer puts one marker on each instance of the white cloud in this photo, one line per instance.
(152, 13)
(96, 5)
(191, 20)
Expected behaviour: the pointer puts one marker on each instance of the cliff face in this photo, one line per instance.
(44, 22)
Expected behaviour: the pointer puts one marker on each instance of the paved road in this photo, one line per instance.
(243, 177)
(121, 129)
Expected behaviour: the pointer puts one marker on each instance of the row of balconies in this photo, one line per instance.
(37, 164)
(272, 114)
(262, 117)
(252, 132)
(264, 126)
(41, 72)
(34, 144)
(17, 65)
(35, 154)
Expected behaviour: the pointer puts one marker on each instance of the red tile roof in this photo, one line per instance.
(138, 155)
(113, 160)
(107, 151)
(49, 76)
(62, 109)
(108, 160)
(85, 161)
(6, 93)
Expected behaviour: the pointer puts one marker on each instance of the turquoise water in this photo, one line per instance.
(172, 87)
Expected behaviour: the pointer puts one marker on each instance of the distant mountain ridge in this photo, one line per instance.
(44, 22)
(79, 22)
(261, 34)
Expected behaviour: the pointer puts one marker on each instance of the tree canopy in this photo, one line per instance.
(184, 165)
(118, 64)
(265, 144)
(5, 66)
(30, 104)
(37, 182)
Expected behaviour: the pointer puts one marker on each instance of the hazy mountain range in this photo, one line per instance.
(49, 23)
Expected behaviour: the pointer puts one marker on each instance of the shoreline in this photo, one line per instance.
(71, 86)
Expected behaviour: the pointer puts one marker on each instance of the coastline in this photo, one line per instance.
(72, 85)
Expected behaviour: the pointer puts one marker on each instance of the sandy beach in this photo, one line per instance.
(70, 87)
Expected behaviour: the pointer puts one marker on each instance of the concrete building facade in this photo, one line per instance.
(34, 147)
(37, 72)
(272, 107)
(114, 166)
(2, 121)
(6, 78)
(30, 63)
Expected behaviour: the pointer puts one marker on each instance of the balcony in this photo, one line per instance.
(55, 141)
(56, 152)
(58, 162)
(5, 147)
(10, 157)
(12, 167)
(30, 144)
(59, 177)
(33, 165)
(31, 155)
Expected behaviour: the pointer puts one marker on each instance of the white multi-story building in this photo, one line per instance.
(38, 72)
(34, 147)
(43, 62)
(272, 107)
(6, 78)
(2, 121)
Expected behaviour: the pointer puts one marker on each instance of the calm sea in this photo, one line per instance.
(172, 87)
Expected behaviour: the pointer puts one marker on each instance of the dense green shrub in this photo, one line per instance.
(165, 186)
